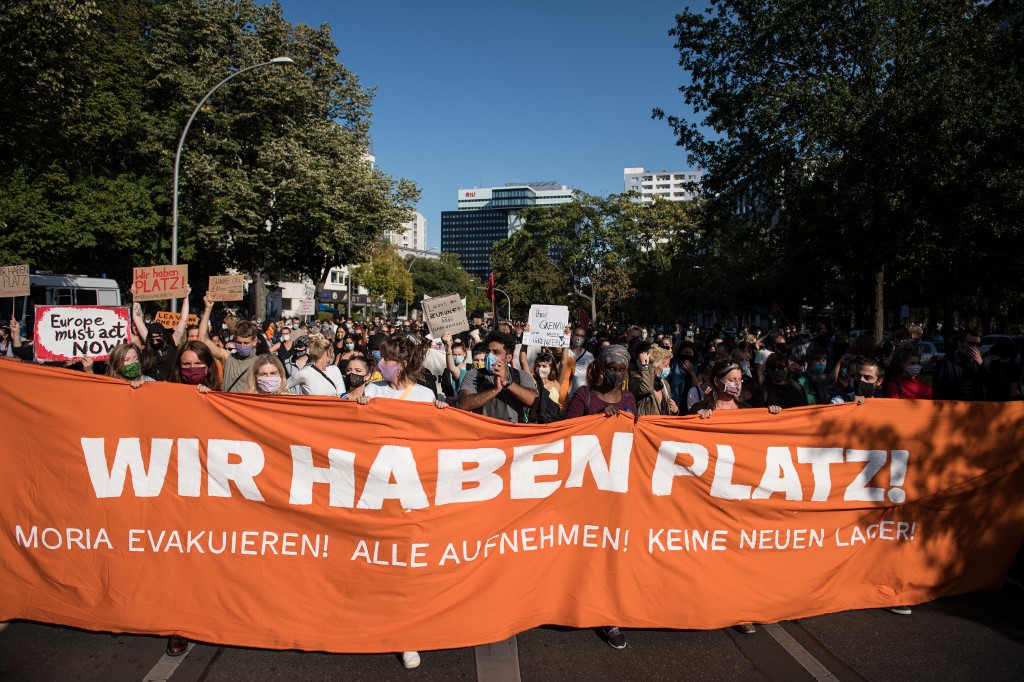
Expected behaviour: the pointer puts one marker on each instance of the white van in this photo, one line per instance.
(49, 289)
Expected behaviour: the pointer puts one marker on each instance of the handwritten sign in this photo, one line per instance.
(547, 326)
(14, 281)
(63, 332)
(445, 314)
(305, 306)
(170, 320)
(159, 282)
(226, 288)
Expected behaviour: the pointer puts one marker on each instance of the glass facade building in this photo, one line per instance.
(488, 215)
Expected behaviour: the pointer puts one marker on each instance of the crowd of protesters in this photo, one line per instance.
(605, 369)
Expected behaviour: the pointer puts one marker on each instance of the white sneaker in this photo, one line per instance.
(411, 659)
(900, 610)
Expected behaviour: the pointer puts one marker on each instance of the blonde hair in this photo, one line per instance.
(659, 355)
(266, 359)
(317, 347)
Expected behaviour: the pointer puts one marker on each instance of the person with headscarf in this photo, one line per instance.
(604, 392)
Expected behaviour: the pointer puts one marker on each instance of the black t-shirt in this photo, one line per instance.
(786, 395)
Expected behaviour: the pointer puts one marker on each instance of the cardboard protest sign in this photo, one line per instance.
(170, 320)
(159, 282)
(63, 332)
(306, 306)
(14, 281)
(445, 314)
(347, 510)
(226, 288)
(547, 326)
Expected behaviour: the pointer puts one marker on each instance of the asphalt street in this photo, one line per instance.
(968, 637)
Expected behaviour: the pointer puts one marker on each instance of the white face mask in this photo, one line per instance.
(543, 372)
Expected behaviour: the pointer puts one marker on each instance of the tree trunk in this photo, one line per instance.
(258, 294)
(593, 303)
(879, 304)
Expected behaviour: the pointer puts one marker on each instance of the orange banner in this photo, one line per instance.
(318, 524)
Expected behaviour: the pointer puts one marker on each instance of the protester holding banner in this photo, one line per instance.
(401, 361)
(246, 342)
(649, 383)
(318, 376)
(123, 363)
(603, 393)
(400, 366)
(195, 365)
(266, 376)
(358, 372)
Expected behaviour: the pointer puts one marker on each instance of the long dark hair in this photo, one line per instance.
(212, 379)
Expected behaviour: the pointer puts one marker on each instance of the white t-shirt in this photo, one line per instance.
(381, 389)
(579, 377)
(761, 356)
(309, 381)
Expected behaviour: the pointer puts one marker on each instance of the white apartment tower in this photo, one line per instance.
(411, 234)
(670, 185)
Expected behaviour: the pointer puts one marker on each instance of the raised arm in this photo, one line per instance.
(449, 358)
(204, 331)
(179, 329)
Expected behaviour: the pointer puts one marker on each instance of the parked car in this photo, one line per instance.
(989, 340)
(930, 356)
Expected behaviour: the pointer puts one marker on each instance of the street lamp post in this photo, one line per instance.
(181, 145)
(509, 302)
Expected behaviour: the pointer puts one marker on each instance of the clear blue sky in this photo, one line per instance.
(479, 94)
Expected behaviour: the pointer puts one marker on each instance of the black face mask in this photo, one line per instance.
(609, 380)
(778, 375)
(355, 380)
(864, 389)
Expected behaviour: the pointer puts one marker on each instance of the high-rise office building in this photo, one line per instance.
(489, 214)
(671, 185)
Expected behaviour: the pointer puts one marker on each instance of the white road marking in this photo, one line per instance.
(800, 654)
(166, 666)
(498, 662)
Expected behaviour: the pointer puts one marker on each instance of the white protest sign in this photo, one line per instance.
(305, 306)
(547, 326)
(63, 332)
(445, 314)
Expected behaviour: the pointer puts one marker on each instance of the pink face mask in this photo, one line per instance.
(389, 371)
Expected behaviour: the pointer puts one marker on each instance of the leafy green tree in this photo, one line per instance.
(524, 270)
(830, 127)
(275, 180)
(591, 239)
(385, 275)
(74, 188)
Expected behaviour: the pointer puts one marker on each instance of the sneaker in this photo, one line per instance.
(900, 610)
(411, 659)
(615, 638)
(746, 628)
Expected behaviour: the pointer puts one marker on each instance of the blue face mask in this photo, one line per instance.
(664, 372)
(490, 360)
(817, 368)
(458, 359)
(376, 355)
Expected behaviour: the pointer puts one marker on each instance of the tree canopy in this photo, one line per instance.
(275, 179)
(860, 143)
